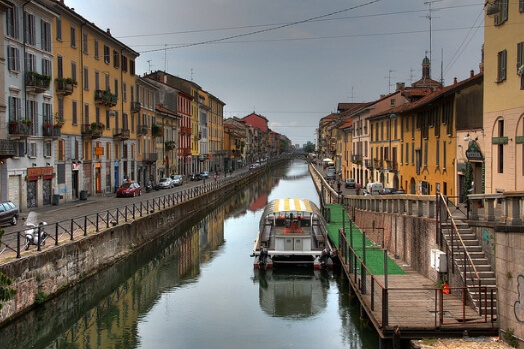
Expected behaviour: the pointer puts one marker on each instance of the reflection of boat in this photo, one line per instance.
(297, 294)
(292, 231)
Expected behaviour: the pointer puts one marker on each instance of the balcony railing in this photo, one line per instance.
(105, 97)
(52, 131)
(7, 148)
(142, 130)
(93, 130)
(22, 128)
(151, 157)
(64, 87)
(135, 107)
(392, 166)
(37, 83)
(121, 134)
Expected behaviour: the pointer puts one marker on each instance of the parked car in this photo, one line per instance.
(129, 189)
(195, 177)
(400, 191)
(350, 183)
(387, 191)
(177, 180)
(204, 174)
(8, 213)
(164, 183)
(331, 174)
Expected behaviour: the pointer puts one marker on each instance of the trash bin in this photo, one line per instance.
(56, 199)
(83, 195)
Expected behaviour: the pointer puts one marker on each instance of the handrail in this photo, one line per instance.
(467, 257)
(14, 241)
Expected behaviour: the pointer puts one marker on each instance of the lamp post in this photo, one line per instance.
(392, 117)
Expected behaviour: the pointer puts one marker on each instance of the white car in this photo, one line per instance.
(165, 183)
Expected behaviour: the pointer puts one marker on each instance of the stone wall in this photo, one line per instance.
(55, 269)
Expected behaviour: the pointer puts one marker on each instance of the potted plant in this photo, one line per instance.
(59, 120)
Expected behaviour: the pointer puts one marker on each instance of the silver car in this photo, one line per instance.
(177, 180)
(165, 183)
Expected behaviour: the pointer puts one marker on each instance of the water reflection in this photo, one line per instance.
(192, 288)
(295, 293)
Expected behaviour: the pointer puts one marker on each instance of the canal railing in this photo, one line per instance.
(76, 227)
(415, 309)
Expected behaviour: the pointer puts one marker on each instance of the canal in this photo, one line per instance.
(198, 289)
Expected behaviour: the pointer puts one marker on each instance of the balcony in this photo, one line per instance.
(151, 157)
(36, 83)
(135, 107)
(105, 97)
(7, 149)
(52, 131)
(157, 130)
(142, 130)
(187, 151)
(20, 129)
(64, 87)
(170, 145)
(392, 166)
(185, 130)
(122, 134)
(93, 130)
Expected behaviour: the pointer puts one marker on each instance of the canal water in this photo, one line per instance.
(196, 288)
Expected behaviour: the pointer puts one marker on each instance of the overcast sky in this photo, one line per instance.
(293, 61)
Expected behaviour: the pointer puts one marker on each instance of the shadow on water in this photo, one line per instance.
(106, 310)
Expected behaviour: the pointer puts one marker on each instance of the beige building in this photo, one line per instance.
(504, 97)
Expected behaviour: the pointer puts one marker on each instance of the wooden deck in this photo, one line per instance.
(413, 306)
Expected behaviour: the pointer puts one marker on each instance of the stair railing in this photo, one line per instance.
(456, 239)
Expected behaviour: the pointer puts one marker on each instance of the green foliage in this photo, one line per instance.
(309, 148)
(509, 338)
(6, 293)
(40, 297)
(468, 178)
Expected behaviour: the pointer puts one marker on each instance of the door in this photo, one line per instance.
(32, 194)
(74, 184)
(288, 244)
(46, 192)
(299, 244)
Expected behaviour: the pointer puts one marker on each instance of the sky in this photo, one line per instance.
(294, 61)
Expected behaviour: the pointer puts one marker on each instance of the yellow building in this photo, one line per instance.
(216, 134)
(95, 89)
(504, 96)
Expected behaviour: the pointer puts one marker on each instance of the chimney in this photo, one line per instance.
(108, 31)
(455, 80)
(471, 73)
(400, 86)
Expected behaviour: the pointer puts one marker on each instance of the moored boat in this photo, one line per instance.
(292, 231)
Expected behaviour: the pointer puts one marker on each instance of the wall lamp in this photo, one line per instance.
(467, 138)
(47, 164)
(492, 9)
(34, 165)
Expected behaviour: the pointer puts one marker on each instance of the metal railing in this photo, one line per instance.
(80, 226)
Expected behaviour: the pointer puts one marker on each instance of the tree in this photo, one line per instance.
(6, 293)
(309, 148)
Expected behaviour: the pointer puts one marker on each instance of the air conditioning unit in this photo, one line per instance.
(439, 261)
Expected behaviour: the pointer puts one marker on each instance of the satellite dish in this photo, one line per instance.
(520, 71)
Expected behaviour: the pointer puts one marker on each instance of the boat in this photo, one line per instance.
(292, 231)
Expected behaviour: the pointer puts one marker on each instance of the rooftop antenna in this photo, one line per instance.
(429, 16)
(149, 62)
(389, 80)
(352, 97)
(191, 74)
(165, 58)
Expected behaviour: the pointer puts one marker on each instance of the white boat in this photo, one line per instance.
(292, 231)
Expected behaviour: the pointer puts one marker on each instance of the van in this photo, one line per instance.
(374, 188)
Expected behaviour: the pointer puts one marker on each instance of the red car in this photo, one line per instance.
(129, 189)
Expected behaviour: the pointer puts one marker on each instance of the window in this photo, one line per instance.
(12, 22)
(31, 150)
(124, 91)
(437, 153)
(61, 150)
(97, 114)
(86, 113)
(115, 92)
(46, 36)
(74, 111)
(73, 37)
(502, 16)
(20, 149)
(30, 62)
(60, 66)
(520, 63)
(107, 55)
(58, 29)
(13, 59)
(444, 155)
(97, 80)
(132, 67)
(15, 108)
(73, 71)
(500, 150)
(521, 5)
(96, 48)
(47, 149)
(501, 67)
(61, 107)
(124, 63)
(116, 59)
(47, 67)
(86, 43)
(86, 78)
(30, 30)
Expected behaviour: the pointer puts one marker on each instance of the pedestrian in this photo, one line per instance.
(338, 187)
(215, 176)
(357, 188)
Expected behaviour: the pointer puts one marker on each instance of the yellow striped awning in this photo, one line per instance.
(285, 205)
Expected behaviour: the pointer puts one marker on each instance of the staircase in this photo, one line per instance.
(477, 261)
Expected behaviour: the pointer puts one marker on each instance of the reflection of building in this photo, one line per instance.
(300, 294)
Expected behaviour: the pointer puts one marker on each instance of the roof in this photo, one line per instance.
(286, 205)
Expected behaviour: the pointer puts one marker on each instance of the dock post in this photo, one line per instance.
(362, 269)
